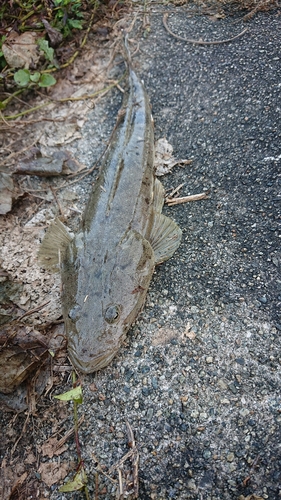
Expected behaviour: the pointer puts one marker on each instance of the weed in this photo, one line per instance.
(79, 481)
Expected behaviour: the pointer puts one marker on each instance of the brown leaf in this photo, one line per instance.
(54, 35)
(6, 192)
(22, 351)
(57, 163)
(51, 447)
(21, 51)
(188, 332)
(52, 472)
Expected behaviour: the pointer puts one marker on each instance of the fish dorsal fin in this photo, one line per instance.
(165, 237)
(53, 246)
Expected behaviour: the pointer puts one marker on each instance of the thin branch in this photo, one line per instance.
(199, 42)
(185, 199)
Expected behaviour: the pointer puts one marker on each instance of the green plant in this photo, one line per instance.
(68, 15)
(48, 51)
(79, 482)
(2, 58)
(23, 78)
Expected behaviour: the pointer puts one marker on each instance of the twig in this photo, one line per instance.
(134, 459)
(82, 98)
(11, 96)
(261, 5)
(63, 440)
(99, 469)
(29, 122)
(121, 491)
(185, 199)
(199, 42)
(31, 311)
(96, 486)
(17, 153)
(21, 434)
(57, 200)
(174, 191)
(121, 461)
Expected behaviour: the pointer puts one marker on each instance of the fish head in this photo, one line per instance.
(107, 293)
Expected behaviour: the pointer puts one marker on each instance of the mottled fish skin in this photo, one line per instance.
(107, 267)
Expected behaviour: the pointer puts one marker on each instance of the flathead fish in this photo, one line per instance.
(106, 267)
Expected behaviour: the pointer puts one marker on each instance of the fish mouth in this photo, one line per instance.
(91, 364)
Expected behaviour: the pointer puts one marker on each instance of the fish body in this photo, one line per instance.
(107, 266)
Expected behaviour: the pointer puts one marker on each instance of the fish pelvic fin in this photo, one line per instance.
(165, 238)
(53, 246)
(165, 235)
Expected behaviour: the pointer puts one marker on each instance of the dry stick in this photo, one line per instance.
(121, 461)
(63, 440)
(121, 491)
(96, 486)
(87, 96)
(194, 197)
(31, 311)
(21, 434)
(29, 122)
(17, 153)
(18, 483)
(174, 191)
(57, 200)
(3, 118)
(199, 42)
(134, 458)
(99, 469)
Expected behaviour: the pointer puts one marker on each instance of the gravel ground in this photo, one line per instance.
(199, 376)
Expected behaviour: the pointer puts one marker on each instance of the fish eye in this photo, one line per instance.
(74, 313)
(112, 314)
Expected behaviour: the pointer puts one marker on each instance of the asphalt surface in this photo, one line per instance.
(199, 377)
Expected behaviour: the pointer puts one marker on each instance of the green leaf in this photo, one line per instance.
(79, 482)
(46, 80)
(72, 395)
(22, 77)
(48, 51)
(75, 23)
(3, 38)
(35, 77)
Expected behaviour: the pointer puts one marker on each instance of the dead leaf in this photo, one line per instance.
(164, 160)
(61, 135)
(53, 472)
(52, 447)
(15, 365)
(163, 336)
(54, 35)
(21, 51)
(30, 459)
(188, 332)
(56, 163)
(6, 192)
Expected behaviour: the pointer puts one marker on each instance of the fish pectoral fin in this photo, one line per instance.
(165, 237)
(53, 246)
